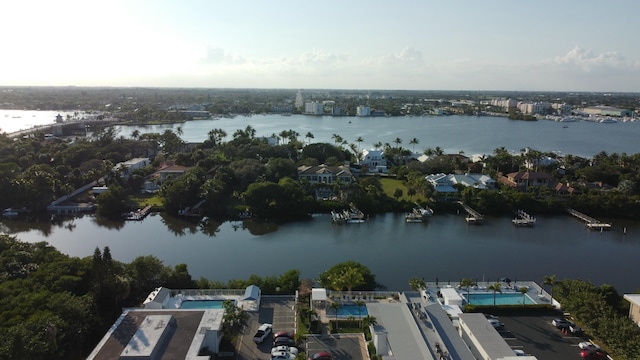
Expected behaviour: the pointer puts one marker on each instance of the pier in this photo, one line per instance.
(591, 223)
(139, 214)
(523, 219)
(473, 217)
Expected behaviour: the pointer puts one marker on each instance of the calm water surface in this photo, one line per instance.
(445, 247)
(473, 135)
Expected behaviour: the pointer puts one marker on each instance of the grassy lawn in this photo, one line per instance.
(389, 185)
(142, 200)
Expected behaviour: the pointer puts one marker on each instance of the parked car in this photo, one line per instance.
(575, 329)
(560, 323)
(283, 355)
(588, 345)
(495, 323)
(263, 331)
(283, 348)
(284, 341)
(519, 352)
(592, 355)
(322, 355)
(283, 333)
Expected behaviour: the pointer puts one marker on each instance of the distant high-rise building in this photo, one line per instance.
(313, 108)
(363, 110)
(299, 100)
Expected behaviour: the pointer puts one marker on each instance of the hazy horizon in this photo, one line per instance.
(568, 46)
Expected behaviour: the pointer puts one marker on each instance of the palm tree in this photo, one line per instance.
(369, 320)
(135, 134)
(551, 281)
(309, 136)
(179, 131)
(359, 140)
(359, 303)
(438, 151)
(337, 139)
(352, 277)
(335, 306)
(523, 290)
(397, 141)
(428, 151)
(414, 142)
(495, 288)
(467, 283)
(377, 145)
(417, 283)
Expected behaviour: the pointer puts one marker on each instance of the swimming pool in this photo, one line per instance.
(349, 310)
(501, 299)
(201, 304)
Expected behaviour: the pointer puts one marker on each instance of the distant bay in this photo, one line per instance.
(470, 134)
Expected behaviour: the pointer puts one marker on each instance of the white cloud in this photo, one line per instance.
(408, 55)
(588, 61)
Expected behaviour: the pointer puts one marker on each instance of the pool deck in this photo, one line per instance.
(535, 292)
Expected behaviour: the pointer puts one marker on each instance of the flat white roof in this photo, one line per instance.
(147, 340)
(633, 298)
(492, 343)
(319, 294)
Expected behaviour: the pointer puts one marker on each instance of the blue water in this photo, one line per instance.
(350, 310)
(202, 304)
(501, 299)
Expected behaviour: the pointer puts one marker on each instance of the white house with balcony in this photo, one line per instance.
(325, 174)
(374, 160)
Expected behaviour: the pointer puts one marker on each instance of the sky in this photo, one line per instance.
(543, 45)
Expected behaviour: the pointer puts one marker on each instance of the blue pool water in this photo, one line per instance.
(202, 304)
(349, 310)
(501, 299)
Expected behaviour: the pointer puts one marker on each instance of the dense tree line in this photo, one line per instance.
(602, 313)
(53, 306)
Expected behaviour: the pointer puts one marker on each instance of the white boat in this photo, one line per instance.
(608, 121)
(413, 217)
(423, 211)
(9, 212)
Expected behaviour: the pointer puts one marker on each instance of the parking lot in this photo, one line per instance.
(536, 336)
(280, 311)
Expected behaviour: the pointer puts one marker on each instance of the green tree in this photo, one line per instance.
(467, 283)
(495, 288)
(523, 290)
(551, 281)
(233, 320)
(417, 284)
(414, 142)
(335, 306)
(369, 280)
(397, 193)
(113, 202)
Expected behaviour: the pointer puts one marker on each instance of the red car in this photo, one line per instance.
(592, 355)
(322, 355)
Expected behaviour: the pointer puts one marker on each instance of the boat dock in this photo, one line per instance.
(473, 217)
(591, 223)
(139, 214)
(523, 219)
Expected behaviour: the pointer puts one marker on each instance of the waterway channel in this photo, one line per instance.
(445, 247)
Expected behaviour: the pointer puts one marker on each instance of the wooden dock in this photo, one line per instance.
(139, 214)
(590, 223)
(523, 219)
(473, 217)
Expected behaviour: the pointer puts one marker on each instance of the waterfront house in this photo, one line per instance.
(525, 179)
(634, 309)
(325, 174)
(374, 160)
(126, 168)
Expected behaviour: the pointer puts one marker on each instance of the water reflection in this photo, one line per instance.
(257, 227)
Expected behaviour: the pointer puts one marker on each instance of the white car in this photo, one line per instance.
(519, 352)
(286, 349)
(588, 345)
(283, 355)
(495, 323)
(263, 331)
